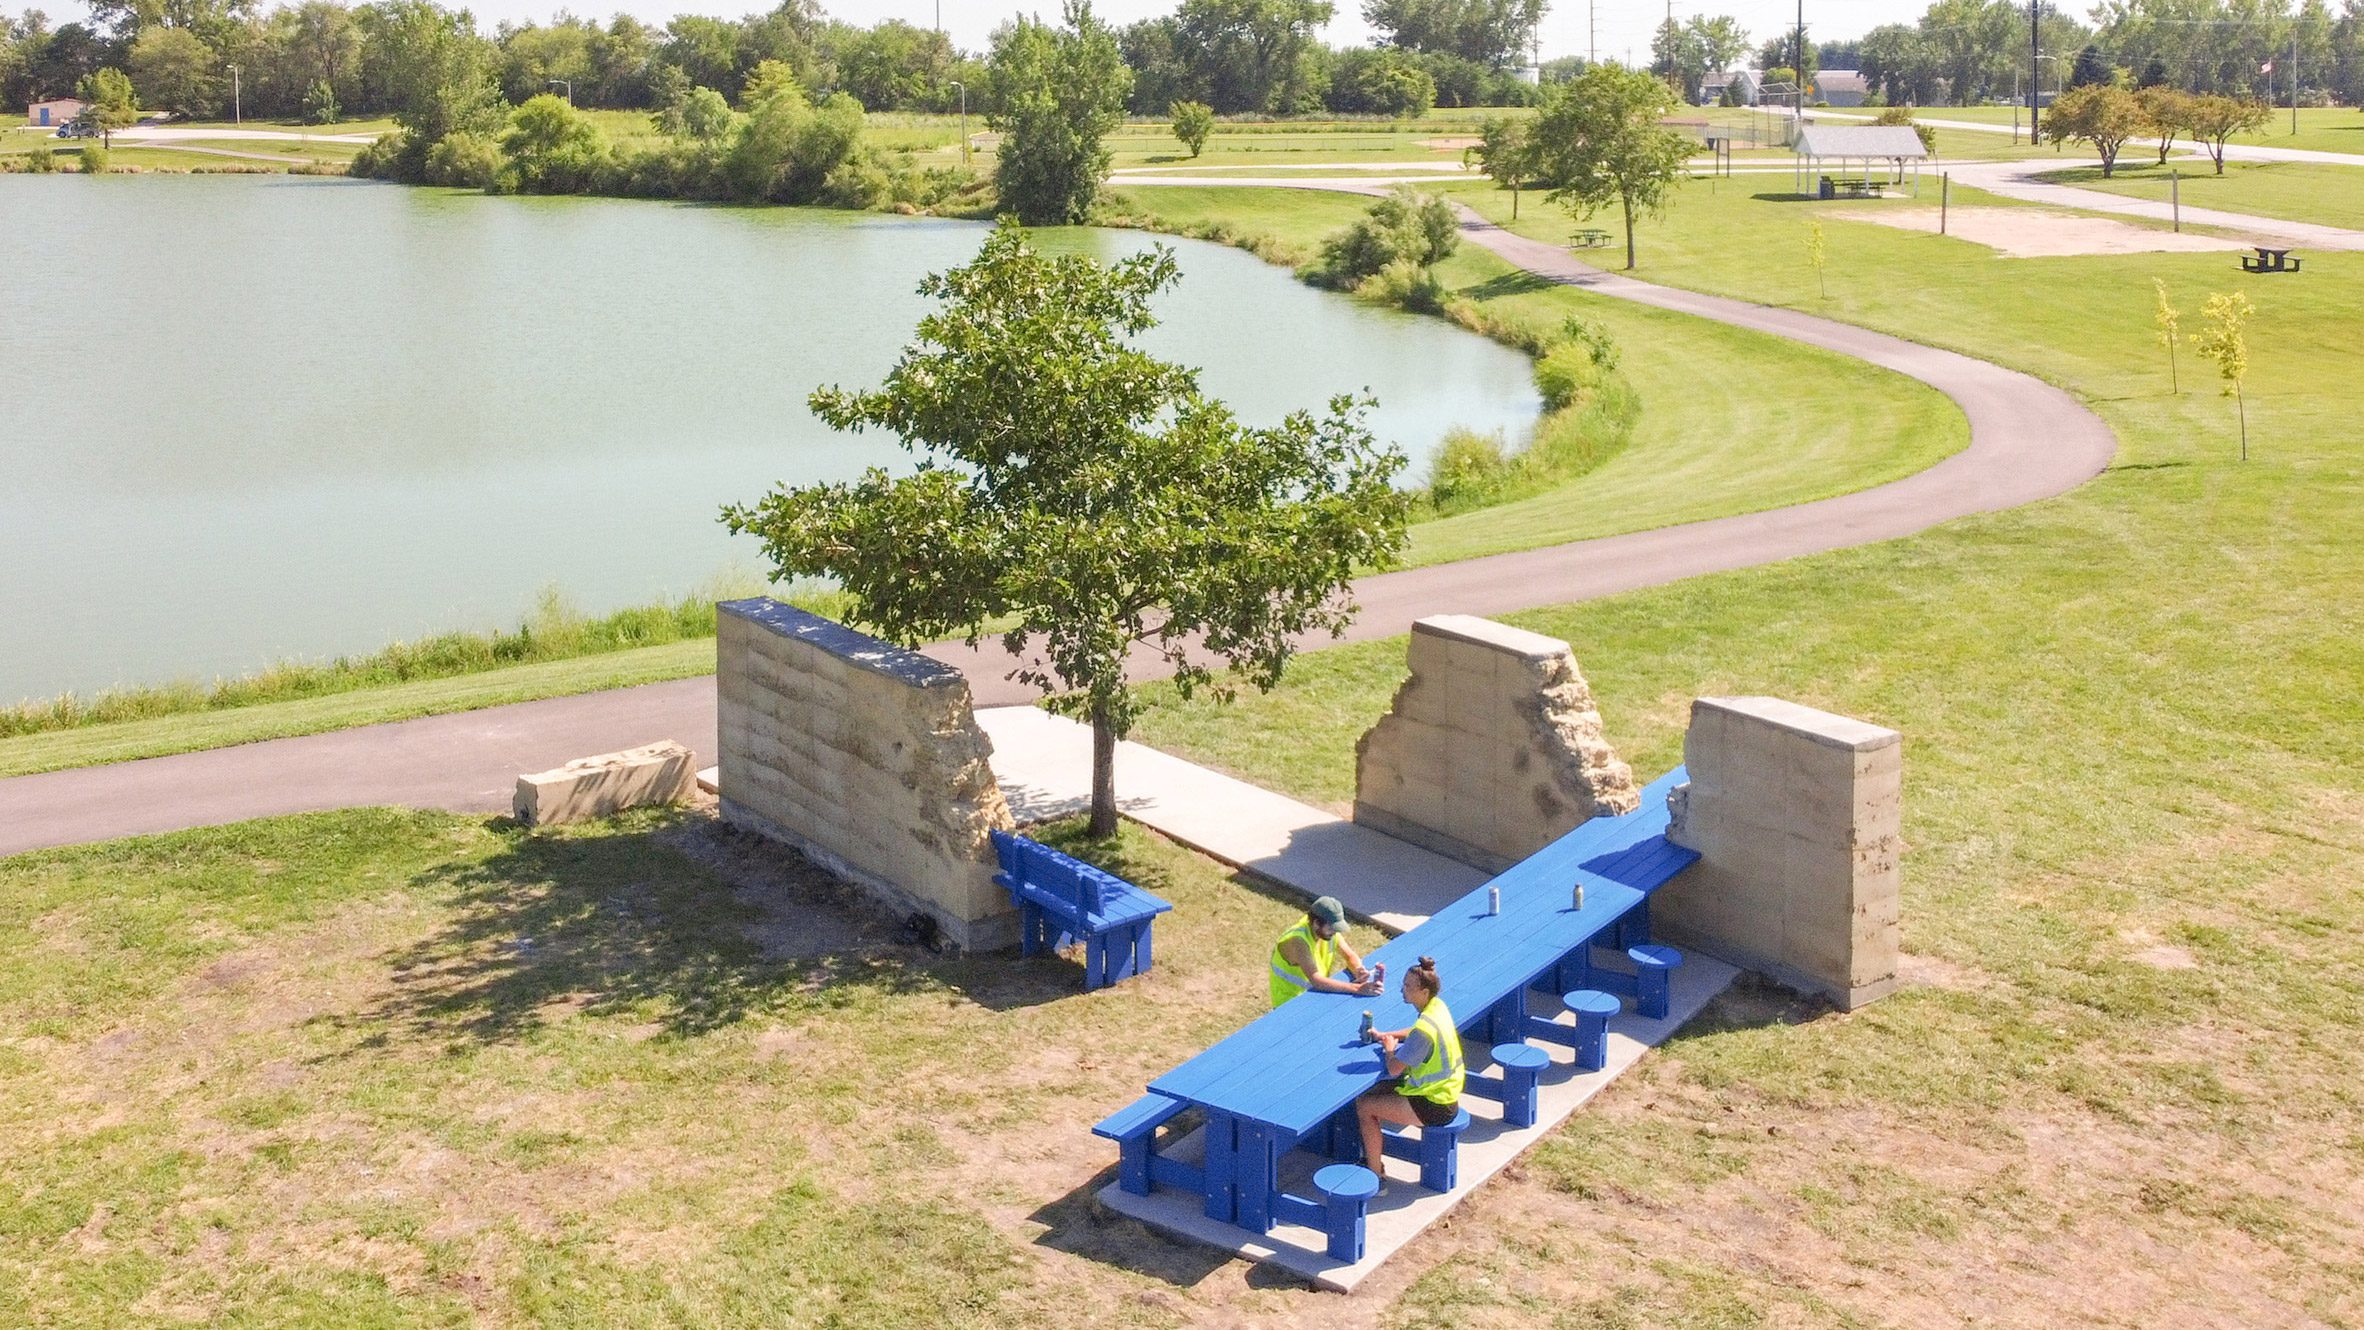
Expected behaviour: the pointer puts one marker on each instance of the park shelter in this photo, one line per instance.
(53, 112)
(1858, 159)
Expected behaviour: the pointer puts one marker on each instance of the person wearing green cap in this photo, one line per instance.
(1306, 958)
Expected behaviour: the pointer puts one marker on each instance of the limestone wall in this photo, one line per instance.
(867, 758)
(1492, 749)
(1796, 814)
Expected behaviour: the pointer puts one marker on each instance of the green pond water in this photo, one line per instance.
(247, 419)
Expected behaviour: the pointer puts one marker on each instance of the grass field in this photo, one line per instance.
(2295, 191)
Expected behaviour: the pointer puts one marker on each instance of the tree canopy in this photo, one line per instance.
(1088, 495)
(1058, 92)
(1600, 142)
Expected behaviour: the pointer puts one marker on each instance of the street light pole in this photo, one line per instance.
(562, 83)
(234, 99)
(964, 122)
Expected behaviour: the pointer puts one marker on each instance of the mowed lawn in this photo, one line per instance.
(2320, 128)
(2122, 1084)
(1732, 421)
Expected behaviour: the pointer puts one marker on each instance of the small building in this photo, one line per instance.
(1742, 82)
(1858, 161)
(54, 112)
(1841, 87)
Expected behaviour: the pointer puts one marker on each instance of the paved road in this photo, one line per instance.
(2028, 441)
(147, 134)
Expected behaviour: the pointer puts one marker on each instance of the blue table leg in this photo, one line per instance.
(1141, 949)
(1095, 961)
(1256, 1164)
(1221, 1136)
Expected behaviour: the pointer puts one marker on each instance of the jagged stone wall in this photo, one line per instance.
(1493, 748)
(865, 757)
(1797, 815)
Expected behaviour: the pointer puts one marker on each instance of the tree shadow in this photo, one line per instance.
(1516, 283)
(678, 919)
(1788, 196)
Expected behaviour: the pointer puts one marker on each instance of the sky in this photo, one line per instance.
(1616, 26)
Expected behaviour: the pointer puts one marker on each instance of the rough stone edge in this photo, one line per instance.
(1484, 632)
(847, 644)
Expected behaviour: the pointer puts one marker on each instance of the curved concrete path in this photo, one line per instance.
(2028, 441)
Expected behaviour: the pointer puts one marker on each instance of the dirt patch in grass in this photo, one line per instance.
(2036, 233)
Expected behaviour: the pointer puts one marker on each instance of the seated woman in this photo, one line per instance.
(1424, 1064)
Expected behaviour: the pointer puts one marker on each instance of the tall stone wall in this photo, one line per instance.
(865, 757)
(1492, 749)
(1797, 815)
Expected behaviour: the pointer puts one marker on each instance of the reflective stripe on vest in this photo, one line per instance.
(1439, 1076)
(1287, 980)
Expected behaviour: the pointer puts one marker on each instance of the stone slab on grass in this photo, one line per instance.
(1408, 1209)
(602, 786)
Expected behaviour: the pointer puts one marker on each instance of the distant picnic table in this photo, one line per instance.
(2269, 259)
(1289, 1079)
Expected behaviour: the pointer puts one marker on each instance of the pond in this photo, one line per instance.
(248, 419)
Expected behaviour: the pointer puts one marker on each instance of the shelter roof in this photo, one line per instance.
(1892, 141)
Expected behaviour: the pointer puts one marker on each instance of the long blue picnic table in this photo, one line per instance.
(1285, 1074)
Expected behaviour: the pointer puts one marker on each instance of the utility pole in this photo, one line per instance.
(235, 118)
(2294, 78)
(1592, 33)
(2035, 47)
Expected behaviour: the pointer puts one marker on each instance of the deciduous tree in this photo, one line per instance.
(2225, 341)
(1088, 496)
(1193, 121)
(1057, 93)
(2168, 322)
(108, 103)
(2215, 119)
(1507, 152)
(175, 71)
(1600, 141)
(2101, 114)
(2166, 112)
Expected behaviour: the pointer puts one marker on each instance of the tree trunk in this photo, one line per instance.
(1628, 200)
(2242, 404)
(1103, 773)
(1514, 203)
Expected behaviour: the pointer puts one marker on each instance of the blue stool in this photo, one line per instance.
(1651, 966)
(1522, 1071)
(1437, 1151)
(1346, 1191)
(1592, 1009)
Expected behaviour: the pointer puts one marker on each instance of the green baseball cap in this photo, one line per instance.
(1328, 910)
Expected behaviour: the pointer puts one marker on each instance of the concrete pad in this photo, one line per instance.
(1407, 1209)
(1044, 763)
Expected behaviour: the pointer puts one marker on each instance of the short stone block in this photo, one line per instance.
(602, 786)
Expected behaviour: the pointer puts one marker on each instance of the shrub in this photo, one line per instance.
(465, 159)
(381, 159)
(1468, 468)
(320, 104)
(95, 159)
(41, 161)
(1407, 225)
(1405, 284)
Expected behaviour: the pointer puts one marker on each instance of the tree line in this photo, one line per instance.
(1966, 51)
(323, 60)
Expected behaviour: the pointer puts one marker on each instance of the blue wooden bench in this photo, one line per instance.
(1062, 899)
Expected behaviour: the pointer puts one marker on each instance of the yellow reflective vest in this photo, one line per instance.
(1438, 1078)
(1287, 980)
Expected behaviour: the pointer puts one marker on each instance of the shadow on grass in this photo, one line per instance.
(1079, 1225)
(678, 919)
(1517, 283)
(1752, 1002)
(1787, 196)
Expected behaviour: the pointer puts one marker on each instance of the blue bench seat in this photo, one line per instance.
(1061, 899)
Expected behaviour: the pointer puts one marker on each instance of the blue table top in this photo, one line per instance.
(1296, 1065)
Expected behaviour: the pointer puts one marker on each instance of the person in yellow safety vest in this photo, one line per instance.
(1423, 1063)
(1305, 958)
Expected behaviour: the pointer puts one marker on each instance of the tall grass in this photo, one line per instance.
(554, 630)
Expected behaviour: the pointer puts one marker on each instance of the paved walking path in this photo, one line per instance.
(2028, 441)
(2233, 152)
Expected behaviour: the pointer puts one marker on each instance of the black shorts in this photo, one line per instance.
(1430, 1112)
